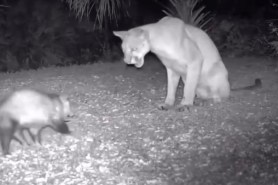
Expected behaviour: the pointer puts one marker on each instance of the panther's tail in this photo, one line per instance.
(258, 84)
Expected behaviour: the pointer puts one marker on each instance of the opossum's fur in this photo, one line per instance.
(33, 111)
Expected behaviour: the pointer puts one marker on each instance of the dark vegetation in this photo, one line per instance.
(38, 33)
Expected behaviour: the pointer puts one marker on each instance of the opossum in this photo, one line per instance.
(31, 110)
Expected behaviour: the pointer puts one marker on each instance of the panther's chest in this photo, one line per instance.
(174, 64)
(171, 59)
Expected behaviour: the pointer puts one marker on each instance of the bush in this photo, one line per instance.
(273, 40)
(40, 33)
(236, 37)
(190, 11)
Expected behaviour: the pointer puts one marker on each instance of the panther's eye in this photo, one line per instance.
(128, 50)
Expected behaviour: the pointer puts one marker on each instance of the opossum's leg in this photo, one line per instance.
(20, 134)
(33, 136)
(6, 135)
(17, 139)
(39, 135)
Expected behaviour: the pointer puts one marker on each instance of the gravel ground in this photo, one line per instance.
(121, 138)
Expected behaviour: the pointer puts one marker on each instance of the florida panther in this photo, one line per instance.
(187, 52)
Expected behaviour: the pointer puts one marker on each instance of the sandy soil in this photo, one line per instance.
(119, 137)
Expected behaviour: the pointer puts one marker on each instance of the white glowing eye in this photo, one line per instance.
(128, 50)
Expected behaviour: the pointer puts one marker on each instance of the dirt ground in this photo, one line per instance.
(121, 138)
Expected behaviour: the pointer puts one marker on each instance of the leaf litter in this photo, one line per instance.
(121, 138)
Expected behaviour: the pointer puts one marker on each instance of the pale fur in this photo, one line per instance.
(32, 111)
(186, 51)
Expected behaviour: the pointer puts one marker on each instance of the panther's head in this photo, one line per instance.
(135, 45)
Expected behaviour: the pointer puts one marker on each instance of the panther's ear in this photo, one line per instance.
(120, 34)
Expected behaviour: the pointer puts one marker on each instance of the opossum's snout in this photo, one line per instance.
(67, 110)
(62, 128)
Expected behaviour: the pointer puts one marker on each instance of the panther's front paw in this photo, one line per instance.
(201, 103)
(164, 106)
